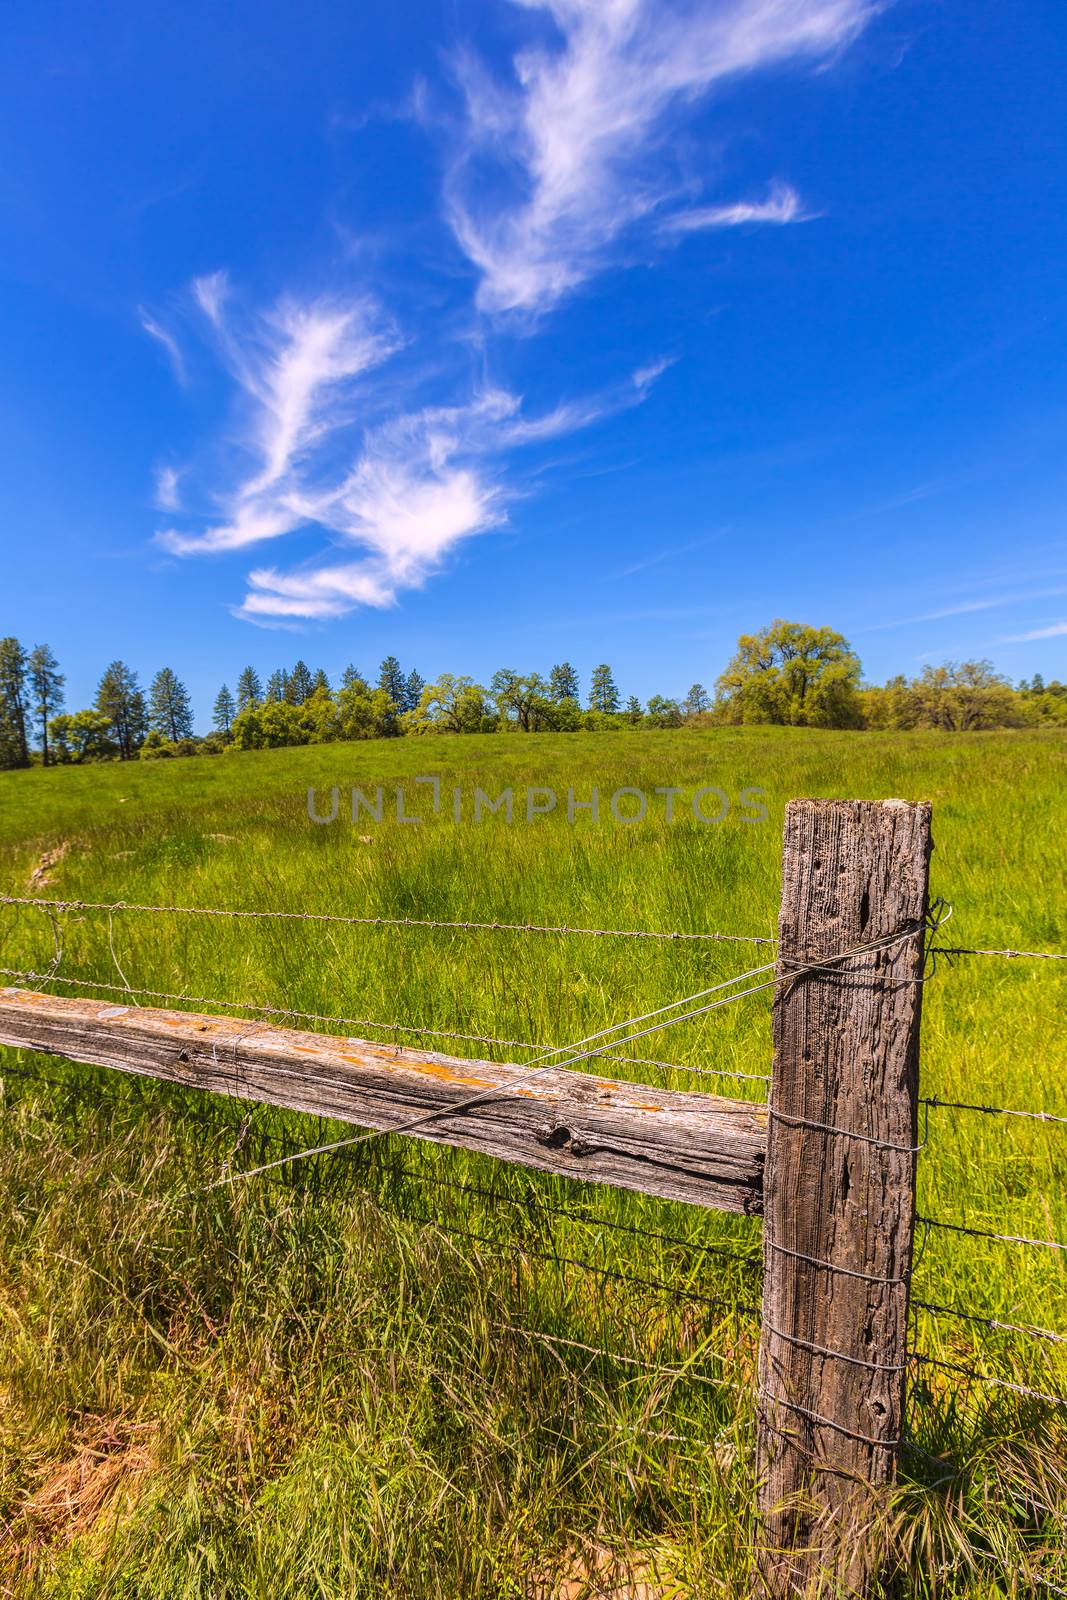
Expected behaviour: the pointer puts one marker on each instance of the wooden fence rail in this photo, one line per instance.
(830, 1163)
(693, 1147)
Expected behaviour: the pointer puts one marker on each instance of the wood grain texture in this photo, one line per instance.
(693, 1147)
(846, 1056)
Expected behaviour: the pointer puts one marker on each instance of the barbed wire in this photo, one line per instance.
(923, 1359)
(937, 1104)
(984, 1233)
(467, 925)
(673, 934)
(1007, 955)
(1048, 1335)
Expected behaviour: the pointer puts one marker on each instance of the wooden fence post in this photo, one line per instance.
(839, 1187)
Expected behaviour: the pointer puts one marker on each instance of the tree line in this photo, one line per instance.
(787, 674)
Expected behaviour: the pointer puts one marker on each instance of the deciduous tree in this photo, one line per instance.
(792, 674)
(451, 705)
(521, 699)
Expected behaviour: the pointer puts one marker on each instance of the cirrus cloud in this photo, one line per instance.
(575, 143)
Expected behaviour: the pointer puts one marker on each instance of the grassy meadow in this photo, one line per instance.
(376, 1373)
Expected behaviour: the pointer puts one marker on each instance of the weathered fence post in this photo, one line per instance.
(839, 1186)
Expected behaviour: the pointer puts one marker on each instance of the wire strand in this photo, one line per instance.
(983, 1233)
(921, 1358)
(990, 1111)
(386, 922)
(1046, 1334)
(532, 1069)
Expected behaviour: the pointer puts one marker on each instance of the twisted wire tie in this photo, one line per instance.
(826, 1422)
(837, 1355)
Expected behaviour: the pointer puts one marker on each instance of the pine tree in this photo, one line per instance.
(563, 682)
(603, 695)
(277, 685)
(169, 711)
(320, 683)
(299, 684)
(414, 684)
(633, 712)
(249, 689)
(119, 698)
(697, 700)
(14, 745)
(391, 679)
(224, 710)
(352, 678)
(45, 691)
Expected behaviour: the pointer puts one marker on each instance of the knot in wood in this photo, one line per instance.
(559, 1137)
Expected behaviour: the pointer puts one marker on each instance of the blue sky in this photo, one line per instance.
(500, 334)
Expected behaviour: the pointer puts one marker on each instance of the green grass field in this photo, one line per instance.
(349, 1377)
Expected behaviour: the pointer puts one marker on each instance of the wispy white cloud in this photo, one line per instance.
(781, 205)
(399, 493)
(963, 608)
(155, 330)
(422, 484)
(582, 129)
(1054, 630)
(645, 377)
(167, 495)
(296, 367)
(668, 553)
(210, 292)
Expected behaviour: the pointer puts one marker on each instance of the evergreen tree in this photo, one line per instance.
(320, 683)
(563, 682)
(413, 687)
(299, 684)
(249, 689)
(14, 745)
(632, 711)
(277, 686)
(603, 695)
(45, 691)
(391, 679)
(352, 678)
(224, 710)
(697, 700)
(119, 699)
(169, 710)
